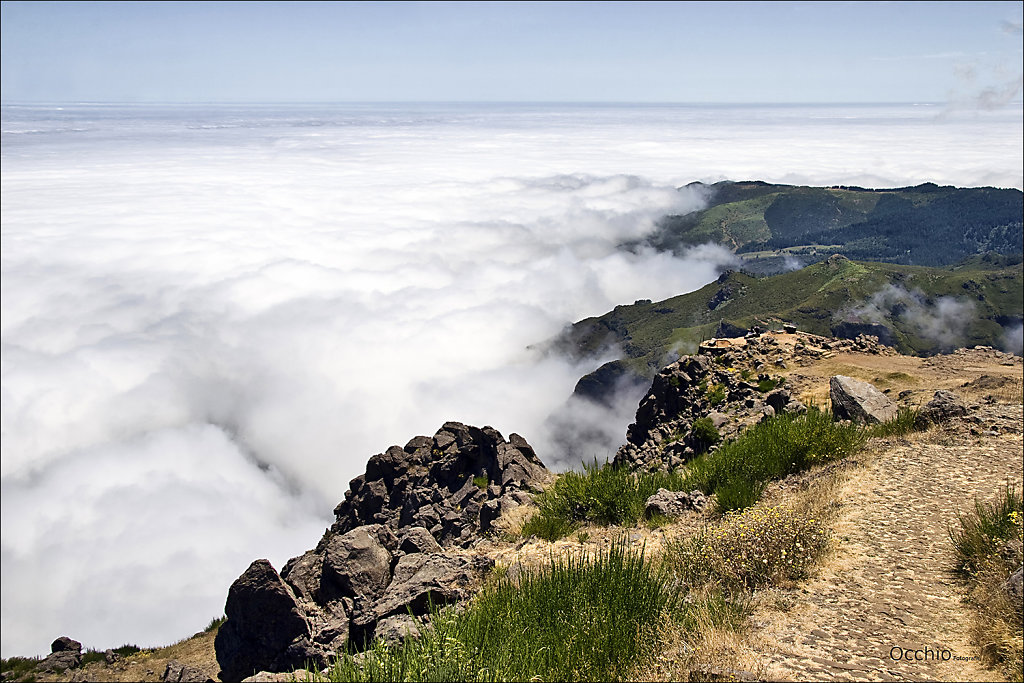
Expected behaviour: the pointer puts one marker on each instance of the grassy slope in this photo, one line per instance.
(923, 225)
(814, 298)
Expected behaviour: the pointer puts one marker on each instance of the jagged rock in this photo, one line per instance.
(65, 653)
(177, 672)
(432, 482)
(265, 630)
(944, 405)
(110, 656)
(859, 401)
(674, 503)
(418, 540)
(663, 437)
(426, 579)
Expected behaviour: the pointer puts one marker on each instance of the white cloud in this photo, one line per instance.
(183, 303)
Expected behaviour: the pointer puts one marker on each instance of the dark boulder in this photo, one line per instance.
(944, 406)
(265, 628)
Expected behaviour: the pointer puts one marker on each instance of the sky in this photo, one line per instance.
(715, 52)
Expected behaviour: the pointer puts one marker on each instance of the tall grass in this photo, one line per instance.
(579, 619)
(775, 448)
(601, 494)
(981, 535)
(987, 544)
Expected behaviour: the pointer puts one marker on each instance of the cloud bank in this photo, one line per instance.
(212, 318)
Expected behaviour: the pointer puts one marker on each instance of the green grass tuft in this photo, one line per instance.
(981, 536)
(586, 618)
(601, 494)
(775, 448)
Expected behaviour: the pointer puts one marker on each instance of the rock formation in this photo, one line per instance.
(666, 433)
(394, 548)
(65, 653)
(454, 484)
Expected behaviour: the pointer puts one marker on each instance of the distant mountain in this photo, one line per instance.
(918, 310)
(925, 225)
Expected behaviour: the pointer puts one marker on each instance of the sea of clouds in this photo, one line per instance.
(212, 316)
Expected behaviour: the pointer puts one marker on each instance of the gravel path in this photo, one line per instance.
(884, 607)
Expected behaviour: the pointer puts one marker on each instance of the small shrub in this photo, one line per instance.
(481, 482)
(549, 526)
(705, 434)
(751, 549)
(214, 624)
(745, 374)
(19, 668)
(981, 536)
(716, 395)
(91, 655)
(766, 385)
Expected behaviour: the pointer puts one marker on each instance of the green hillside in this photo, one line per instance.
(924, 225)
(919, 310)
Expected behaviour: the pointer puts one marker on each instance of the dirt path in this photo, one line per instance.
(884, 607)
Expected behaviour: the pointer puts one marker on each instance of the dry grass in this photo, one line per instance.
(996, 625)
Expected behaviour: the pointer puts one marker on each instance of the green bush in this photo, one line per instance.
(981, 536)
(19, 668)
(766, 385)
(900, 425)
(578, 619)
(751, 549)
(705, 434)
(716, 394)
(601, 494)
(775, 448)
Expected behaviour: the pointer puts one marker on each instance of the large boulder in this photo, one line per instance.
(266, 630)
(859, 401)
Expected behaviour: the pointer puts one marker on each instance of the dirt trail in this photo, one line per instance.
(886, 595)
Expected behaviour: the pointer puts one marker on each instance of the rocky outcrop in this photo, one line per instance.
(442, 483)
(859, 401)
(65, 654)
(394, 549)
(666, 432)
(351, 588)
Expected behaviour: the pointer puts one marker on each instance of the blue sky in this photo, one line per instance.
(588, 52)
